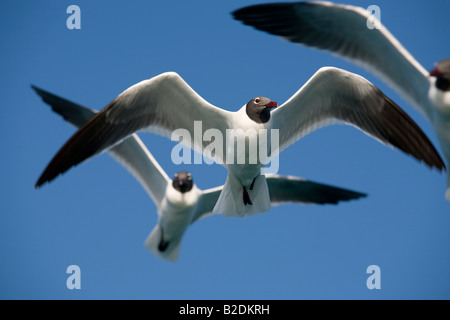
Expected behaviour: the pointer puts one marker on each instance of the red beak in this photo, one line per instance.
(436, 73)
(271, 104)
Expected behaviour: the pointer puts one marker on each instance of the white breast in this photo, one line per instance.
(176, 211)
(245, 162)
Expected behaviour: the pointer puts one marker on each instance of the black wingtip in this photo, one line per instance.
(424, 151)
(43, 179)
(361, 195)
(54, 169)
(239, 13)
(38, 184)
(351, 195)
(36, 89)
(42, 93)
(348, 196)
(252, 10)
(345, 195)
(50, 173)
(441, 168)
(255, 12)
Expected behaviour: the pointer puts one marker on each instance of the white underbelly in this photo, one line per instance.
(247, 147)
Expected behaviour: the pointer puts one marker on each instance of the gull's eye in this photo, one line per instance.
(257, 100)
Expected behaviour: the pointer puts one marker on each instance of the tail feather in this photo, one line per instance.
(170, 253)
(231, 200)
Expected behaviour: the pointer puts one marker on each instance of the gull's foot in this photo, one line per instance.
(162, 244)
(247, 198)
(253, 182)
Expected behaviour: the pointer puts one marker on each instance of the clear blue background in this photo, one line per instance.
(97, 216)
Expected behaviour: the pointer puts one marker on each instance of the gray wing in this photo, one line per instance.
(335, 96)
(206, 203)
(343, 30)
(161, 105)
(131, 152)
(285, 189)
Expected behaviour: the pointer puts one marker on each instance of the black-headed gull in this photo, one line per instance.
(180, 202)
(166, 103)
(353, 33)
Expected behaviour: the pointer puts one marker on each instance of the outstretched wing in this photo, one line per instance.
(131, 152)
(161, 104)
(335, 96)
(285, 189)
(347, 31)
(206, 203)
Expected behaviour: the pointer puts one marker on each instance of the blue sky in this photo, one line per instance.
(97, 216)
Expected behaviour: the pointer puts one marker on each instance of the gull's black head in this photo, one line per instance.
(182, 181)
(258, 109)
(442, 73)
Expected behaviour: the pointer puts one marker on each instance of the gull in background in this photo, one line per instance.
(179, 201)
(342, 30)
(166, 102)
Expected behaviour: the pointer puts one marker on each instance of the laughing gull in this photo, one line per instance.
(179, 201)
(166, 103)
(343, 30)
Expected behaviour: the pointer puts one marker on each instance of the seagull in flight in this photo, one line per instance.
(343, 30)
(166, 103)
(179, 201)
